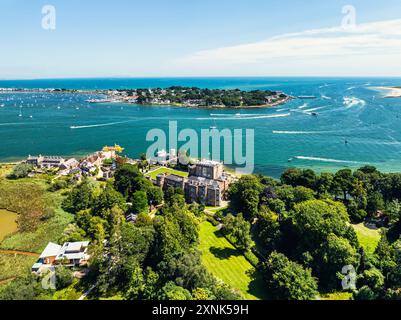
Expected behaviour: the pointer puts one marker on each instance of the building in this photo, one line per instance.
(52, 162)
(69, 164)
(207, 169)
(45, 161)
(170, 181)
(207, 183)
(203, 190)
(70, 254)
(34, 161)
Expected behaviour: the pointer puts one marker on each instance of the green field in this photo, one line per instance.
(162, 170)
(12, 265)
(48, 231)
(337, 296)
(368, 238)
(227, 263)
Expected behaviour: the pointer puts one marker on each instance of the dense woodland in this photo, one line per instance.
(296, 231)
(207, 97)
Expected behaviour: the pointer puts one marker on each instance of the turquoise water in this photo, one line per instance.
(349, 110)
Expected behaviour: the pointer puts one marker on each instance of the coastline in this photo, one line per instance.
(389, 92)
(111, 97)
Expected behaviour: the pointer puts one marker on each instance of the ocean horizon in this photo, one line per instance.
(356, 125)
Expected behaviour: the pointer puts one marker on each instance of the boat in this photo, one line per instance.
(314, 114)
(213, 127)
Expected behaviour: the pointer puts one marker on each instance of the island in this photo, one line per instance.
(179, 96)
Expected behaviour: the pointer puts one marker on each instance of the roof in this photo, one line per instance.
(51, 250)
(174, 177)
(193, 180)
(72, 250)
(75, 246)
(208, 163)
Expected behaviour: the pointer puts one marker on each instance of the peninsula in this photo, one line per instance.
(178, 96)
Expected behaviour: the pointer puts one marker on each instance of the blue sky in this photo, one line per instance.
(198, 38)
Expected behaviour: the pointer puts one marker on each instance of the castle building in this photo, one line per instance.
(206, 183)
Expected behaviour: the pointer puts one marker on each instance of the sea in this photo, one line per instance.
(348, 124)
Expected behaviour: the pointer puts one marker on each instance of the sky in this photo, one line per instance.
(160, 38)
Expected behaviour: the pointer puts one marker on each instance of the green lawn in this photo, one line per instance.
(337, 296)
(368, 238)
(227, 263)
(162, 170)
(215, 209)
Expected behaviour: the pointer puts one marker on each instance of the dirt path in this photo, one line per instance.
(6, 280)
(23, 253)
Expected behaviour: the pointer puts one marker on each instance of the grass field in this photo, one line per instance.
(49, 230)
(5, 169)
(337, 296)
(12, 265)
(162, 170)
(227, 263)
(368, 238)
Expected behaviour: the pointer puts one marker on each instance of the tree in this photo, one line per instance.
(244, 195)
(173, 292)
(343, 182)
(80, 198)
(139, 202)
(125, 179)
(174, 197)
(20, 171)
(238, 230)
(268, 229)
(202, 294)
(333, 255)
(365, 293)
(64, 277)
(372, 278)
(72, 233)
(393, 211)
(155, 196)
(314, 220)
(288, 280)
(303, 194)
(108, 199)
(375, 202)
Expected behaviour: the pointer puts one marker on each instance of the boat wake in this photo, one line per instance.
(325, 97)
(248, 117)
(325, 160)
(350, 102)
(99, 125)
(301, 132)
(305, 105)
(313, 109)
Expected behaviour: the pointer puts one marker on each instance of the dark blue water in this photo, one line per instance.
(349, 110)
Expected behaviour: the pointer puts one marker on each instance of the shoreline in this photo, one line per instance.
(112, 97)
(389, 92)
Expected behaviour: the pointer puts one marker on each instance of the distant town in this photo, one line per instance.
(178, 96)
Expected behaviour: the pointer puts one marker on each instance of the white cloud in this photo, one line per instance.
(366, 49)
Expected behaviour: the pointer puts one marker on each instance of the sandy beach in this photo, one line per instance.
(389, 92)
